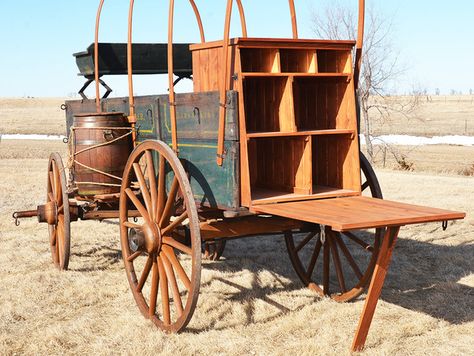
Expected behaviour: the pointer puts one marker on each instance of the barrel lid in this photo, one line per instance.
(99, 114)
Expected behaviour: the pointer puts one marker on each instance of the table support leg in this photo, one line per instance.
(375, 288)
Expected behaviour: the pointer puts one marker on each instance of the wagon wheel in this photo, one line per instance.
(59, 224)
(154, 253)
(353, 253)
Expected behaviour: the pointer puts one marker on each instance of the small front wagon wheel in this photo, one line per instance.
(57, 201)
(163, 271)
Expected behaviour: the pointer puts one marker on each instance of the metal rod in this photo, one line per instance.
(294, 24)
(131, 100)
(224, 84)
(243, 23)
(174, 134)
(359, 44)
(96, 57)
(199, 21)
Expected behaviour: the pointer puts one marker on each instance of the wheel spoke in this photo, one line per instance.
(57, 181)
(165, 299)
(178, 245)
(155, 280)
(137, 204)
(326, 267)
(177, 266)
(337, 263)
(133, 256)
(358, 241)
(167, 211)
(143, 187)
(51, 196)
(145, 273)
(348, 255)
(52, 236)
(314, 258)
(152, 182)
(53, 184)
(132, 225)
(175, 223)
(60, 240)
(161, 189)
(174, 285)
(305, 240)
(365, 186)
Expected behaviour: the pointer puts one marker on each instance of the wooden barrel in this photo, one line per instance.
(97, 145)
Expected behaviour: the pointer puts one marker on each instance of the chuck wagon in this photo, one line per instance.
(267, 143)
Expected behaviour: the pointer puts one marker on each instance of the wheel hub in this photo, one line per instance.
(148, 238)
(48, 213)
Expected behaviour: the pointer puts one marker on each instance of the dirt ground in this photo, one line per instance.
(251, 302)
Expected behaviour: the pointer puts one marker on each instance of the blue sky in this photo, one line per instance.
(435, 38)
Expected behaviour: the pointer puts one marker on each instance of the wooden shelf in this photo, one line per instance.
(299, 74)
(301, 133)
(262, 196)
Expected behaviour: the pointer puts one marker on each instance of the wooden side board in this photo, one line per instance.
(350, 213)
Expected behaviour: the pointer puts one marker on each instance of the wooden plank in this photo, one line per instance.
(343, 76)
(244, 157)
(286, 112)
(251, 225)
(278, 43)
(262, 196)
(300, 133)
(359, 212)
(303, 175)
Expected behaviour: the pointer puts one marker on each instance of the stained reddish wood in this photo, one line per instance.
(375, 287)
(294, 25)
(301, 133)
(359, 212)
(96, 57)
(251, 225)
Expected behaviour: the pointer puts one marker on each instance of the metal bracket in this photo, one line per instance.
(444, 225)
(322, 233)
(88, 82)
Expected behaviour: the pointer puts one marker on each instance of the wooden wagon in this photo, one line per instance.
(267, 143)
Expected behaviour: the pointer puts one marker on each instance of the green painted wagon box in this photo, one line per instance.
(197, 116)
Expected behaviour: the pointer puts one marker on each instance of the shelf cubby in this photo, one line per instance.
(265, 60)
(334, 61)
(319, 103)
(298, 61)
(269, 104)
(334, 164)
(280, 165)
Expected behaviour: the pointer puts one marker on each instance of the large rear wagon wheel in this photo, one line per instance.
(334, 264)
(164, 273)
(59, 225)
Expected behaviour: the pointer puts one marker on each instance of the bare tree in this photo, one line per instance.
(380, 65)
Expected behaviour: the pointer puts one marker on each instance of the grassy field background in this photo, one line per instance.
(251, 302)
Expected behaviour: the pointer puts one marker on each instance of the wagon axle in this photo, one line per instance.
(46, 213)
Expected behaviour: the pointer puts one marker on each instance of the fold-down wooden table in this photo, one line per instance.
(349, 213)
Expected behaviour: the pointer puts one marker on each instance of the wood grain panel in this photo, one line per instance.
(359, 212)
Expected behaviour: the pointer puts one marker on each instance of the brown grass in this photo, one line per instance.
(435, 116)
(32, 116)
(250, 303)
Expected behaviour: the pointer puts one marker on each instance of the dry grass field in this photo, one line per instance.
(434, 116)
(251, 302)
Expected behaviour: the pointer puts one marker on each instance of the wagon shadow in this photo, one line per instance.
(97, 258)
(423, 276)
